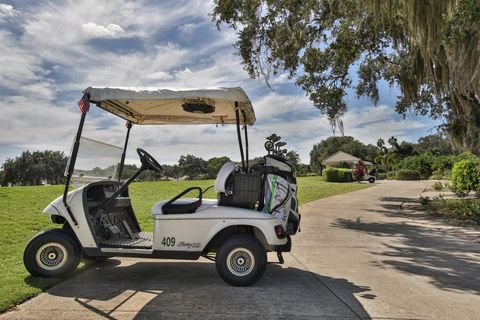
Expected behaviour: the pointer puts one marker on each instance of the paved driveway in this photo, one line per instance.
(357, 257)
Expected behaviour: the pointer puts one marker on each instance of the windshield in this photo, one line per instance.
(95, 161)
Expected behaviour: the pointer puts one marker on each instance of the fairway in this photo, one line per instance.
(21, 216)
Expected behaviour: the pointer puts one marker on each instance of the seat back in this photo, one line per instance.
(221, 182)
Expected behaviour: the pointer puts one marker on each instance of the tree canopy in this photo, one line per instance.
(30, 168)
(429, 49)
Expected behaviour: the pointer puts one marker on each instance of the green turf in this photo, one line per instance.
(21, 219)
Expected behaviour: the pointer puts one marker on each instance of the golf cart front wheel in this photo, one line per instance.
(371, 180)
(241, 260)
(52, 254)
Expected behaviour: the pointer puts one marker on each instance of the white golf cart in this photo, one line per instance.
(256, 210)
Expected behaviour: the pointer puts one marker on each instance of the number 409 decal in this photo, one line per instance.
(168, 241)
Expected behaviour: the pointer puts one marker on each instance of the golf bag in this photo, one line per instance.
(280, 193)
(269, 186)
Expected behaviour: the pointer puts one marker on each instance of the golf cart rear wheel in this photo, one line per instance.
(371, 180)
(52, 254)
(241, 260)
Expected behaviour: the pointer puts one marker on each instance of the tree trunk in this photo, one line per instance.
(464, 122)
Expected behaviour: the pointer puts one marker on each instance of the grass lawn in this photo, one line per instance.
(21, 219)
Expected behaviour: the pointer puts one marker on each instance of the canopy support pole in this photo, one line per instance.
(122, 161)
(237, 115)
(71, 166)
(246, 137)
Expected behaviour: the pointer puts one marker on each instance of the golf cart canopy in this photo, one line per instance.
(163, 106)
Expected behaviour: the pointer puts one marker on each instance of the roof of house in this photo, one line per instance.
(340, 156)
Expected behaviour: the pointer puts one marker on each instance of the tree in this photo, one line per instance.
(435, 144)
(214, 165)
(381, 145)
(404, 149)
(150, 175)
(429, 49)
(171, 171)
(303, 169)
(422, 164)
(192, 166)
(293, 157)
(128, 171)
(30, 168)
(2, 178)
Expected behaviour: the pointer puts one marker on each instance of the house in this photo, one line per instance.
(342, 157)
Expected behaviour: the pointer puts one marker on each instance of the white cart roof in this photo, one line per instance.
(162, 106)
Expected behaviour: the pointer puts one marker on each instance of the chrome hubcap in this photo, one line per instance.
(51, 256)
(240, 261)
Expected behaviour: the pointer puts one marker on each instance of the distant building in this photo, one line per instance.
(342, 157)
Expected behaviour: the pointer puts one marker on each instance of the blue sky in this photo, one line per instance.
(51, 50)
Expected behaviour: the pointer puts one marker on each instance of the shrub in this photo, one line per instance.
(464, 209)
(391, 175)
(424, 200)
(442, 164)
(465, 177)
(422, 164)
(381, 176)
(337, 175)
(407, 174)
(465, 156)
(436, 175)
(437, 185)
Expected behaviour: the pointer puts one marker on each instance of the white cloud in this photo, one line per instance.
(7, 10)
(187, 29)
(28, 121)
(21, 69)
(111, 30)
(159, 75)
(274, 105)
(53, 58)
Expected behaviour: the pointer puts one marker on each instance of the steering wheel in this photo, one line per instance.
(148, 161)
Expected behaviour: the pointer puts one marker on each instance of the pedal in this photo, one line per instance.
(129, 231)
(280, 258)
(114, 229)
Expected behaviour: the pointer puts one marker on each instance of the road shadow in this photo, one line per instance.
(153, 289)
(393, 206)
(449, 263)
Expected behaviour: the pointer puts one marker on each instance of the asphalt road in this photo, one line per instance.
(357, 257)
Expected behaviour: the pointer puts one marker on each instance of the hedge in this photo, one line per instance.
(381, 176)
(391, 175)
(337, 175)
(407, 174)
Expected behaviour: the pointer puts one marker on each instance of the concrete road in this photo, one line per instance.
(357, 257)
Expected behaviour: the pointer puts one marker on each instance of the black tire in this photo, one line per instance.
(371, 180)
(241, 260)
(52, 254)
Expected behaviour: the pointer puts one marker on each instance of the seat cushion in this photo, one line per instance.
(206, 203)
(184, 207)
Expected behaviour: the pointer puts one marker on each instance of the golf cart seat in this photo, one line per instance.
(206, 204)
(181, 206)
(191, 205)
